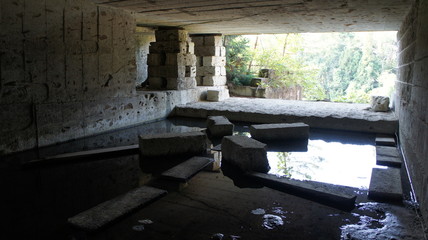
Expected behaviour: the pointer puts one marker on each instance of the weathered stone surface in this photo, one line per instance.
(210, 51)
(320, 192)
(385, 140)
(379, 103)
(186, 170)
(385, 185)
(171, 144)
(171, 35)
(279, 131)
(387, 151)
(388, 161)
(177, 71)
(245, 153)
(170, 47)
(219, 126)
(217, 95)
(157, 82)
(388, 156)
(214, 80)
(181, 83)
(214, 61)
(85, 155)
(340, 116)
(106, 212)
(180, 59)
(213, 40)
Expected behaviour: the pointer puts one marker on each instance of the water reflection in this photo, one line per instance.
(329, 162)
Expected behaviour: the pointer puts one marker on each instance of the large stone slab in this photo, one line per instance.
(84, 155)
(245, 153)
(219, 126)
(186, 170)
(173, 144)
(338, 116)
(279, 131)
(327, 194)
(106, 212)
(388, 156)
(385, 140)
(385, 185)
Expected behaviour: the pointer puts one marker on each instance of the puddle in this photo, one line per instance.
(145, 221)
(329, 162)
(271, 221)
(138, 228)
(258, 211)
(217, 236)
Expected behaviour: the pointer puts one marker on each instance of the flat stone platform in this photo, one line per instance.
(328, 115)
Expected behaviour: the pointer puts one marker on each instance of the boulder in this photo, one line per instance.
(219, 126)
(379, 104)
(279, 131)
(173, 144)
(245, 153)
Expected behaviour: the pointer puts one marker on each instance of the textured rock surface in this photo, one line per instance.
(106, 212)
(184, 171)
(379, 103)
(245, 153)
(217, 95)
(321, 192)
(341, 116)
(279, 131)
(173, 144)
(219, 126)
(385, 184)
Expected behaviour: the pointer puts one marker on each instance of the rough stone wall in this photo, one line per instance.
(171, 60)
(412, 98)
(211, 59)
(144, 36)
(68, 70)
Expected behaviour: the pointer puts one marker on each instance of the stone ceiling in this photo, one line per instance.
(264, 16)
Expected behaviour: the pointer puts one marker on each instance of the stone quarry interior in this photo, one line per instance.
(84, 82)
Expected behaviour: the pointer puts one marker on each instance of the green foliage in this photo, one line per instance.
(238, 57)
(350, 64)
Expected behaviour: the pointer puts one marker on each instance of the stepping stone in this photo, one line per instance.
(327, 194)
(245, 153)
(83, 155)
(385, 140)
(385, 185)
(219, 126)
(186, 170)
(279, 131)
(388, 156)
(109, 211)
(216, 148)
(173, 144)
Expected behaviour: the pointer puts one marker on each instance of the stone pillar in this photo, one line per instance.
(171, 60)
(211, 60)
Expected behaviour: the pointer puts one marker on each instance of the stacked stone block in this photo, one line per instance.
(211, 60)
(171, 61)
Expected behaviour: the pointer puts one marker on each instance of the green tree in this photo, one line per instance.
(238, 57)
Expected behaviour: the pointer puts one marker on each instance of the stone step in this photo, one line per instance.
(323, 193)
(279, 131)
(83, 155)
(385, 185)
(388, 156)
(385, 140)
(109, 211)
(186, 170)
(219, 126)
